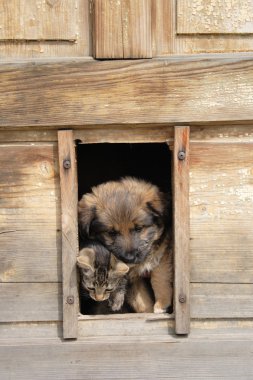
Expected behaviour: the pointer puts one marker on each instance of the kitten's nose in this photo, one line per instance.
(99, 297)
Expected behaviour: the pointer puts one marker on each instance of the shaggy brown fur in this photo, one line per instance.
(128, 217)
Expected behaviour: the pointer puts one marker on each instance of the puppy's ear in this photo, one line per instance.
(160, 208)
(86, 259)
(118, 267)
(86, 214)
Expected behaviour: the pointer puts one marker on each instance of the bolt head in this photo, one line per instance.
(182, 298)
(181, 155)
(70, 300)
(66, 164)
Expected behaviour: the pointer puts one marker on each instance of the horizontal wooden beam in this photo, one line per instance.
(78, 92)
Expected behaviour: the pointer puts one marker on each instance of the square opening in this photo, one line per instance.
(102, 162)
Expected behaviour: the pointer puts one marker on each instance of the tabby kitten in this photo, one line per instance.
(102, 275)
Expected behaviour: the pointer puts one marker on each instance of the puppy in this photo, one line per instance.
(129, 218)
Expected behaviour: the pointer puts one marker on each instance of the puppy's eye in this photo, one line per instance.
(113, 233)
(138, 228)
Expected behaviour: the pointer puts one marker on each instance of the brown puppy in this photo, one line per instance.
(129, 217)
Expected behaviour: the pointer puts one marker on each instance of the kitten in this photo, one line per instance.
(102, 275)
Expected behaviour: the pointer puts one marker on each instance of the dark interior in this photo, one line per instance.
(98, 163)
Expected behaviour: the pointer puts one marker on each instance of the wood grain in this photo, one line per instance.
(122, 29)
(23, 302)
(213, 359)
(30, 232)
(44, 20)
(221, 209)
(181, 220)
(107, 29)
(186, 90)
(36, 302)
(136, 26)
(221, 300)
(51, 20)
(69, 194)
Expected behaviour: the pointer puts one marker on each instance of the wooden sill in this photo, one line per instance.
(140, 316)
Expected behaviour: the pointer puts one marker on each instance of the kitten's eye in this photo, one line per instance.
(90, 288)
(138, 228)
(113, 233)
(109, 289)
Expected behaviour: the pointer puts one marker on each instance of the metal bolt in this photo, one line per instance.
(182, 298)
(66, 164)
(181, 155)
(70, 300)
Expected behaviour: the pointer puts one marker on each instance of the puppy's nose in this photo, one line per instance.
(130, 256)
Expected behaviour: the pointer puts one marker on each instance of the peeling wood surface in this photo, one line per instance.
(127, 92)
(122, 29)
(204, 16)
(30, 232)
(221, 212)
(215, 16)
(39, 20)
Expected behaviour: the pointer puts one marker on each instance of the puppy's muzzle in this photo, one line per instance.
(131, 257)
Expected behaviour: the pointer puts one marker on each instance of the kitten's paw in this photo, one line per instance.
(158, 309)
(116, 304)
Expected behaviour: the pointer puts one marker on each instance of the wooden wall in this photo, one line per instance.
(131, 28)
(221, 243)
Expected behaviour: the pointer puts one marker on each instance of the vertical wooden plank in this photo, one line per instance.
(122, 29)
(136, 23)
(69, 199)
(181, 230)
(107, 29)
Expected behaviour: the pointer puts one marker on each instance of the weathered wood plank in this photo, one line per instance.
(22, 302)
(181, 220)
(222, 134)
(107, 29)
(125, 134)
(167, 40)
(216, 17)
(80, 47)
(69, 199)
(221, 301)
(150, 330)
(221, 209)
(43, 302)
(135, 360)
(136, 27)
(122, 29)
(135, 132)
(186, 90)
(30, 232)
(44, 20)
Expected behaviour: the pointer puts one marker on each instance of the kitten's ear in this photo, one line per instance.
(86, 259)
(118, 266)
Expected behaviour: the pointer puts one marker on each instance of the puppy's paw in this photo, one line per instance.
(159, 309)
